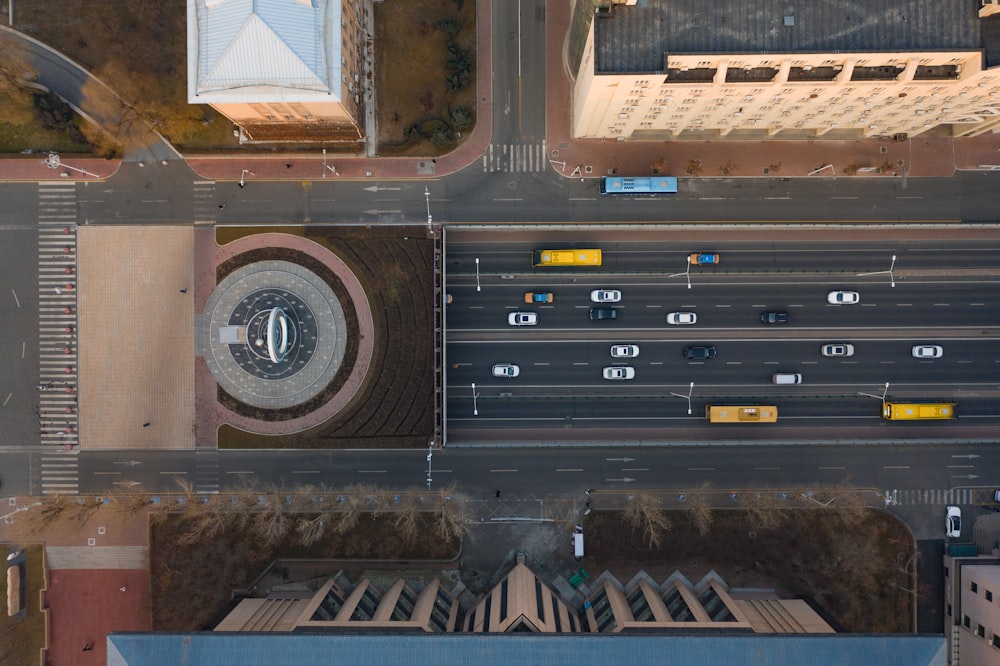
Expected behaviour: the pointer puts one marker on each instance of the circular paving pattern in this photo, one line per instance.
(254, 313)
(234, 324)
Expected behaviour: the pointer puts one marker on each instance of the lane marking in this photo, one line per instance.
(372, 471)
(503, 470)
(305, 471)
(831, 468)
(569, 469)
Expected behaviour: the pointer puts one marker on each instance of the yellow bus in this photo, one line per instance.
(741, 413)
(565, 258)
(918, 411)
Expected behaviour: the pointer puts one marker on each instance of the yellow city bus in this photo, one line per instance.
(565, 258)
(918, 411)
(741, 413)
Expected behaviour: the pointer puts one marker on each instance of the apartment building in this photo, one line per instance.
(284, 71)
(972, 609)
(784, 69)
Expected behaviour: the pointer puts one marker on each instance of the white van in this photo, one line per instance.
(578, 542)
(786, 378)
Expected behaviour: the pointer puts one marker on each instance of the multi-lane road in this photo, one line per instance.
(940, 292)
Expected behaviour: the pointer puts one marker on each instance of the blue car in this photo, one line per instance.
(702, 259)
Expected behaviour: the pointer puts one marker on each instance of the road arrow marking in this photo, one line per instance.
(619, 459)
(622, 480)
(376, 188)
(965, 476)
(376, 211)
(128, 483)
(130, 463)
(970, 456)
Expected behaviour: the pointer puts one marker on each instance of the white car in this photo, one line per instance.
(605, 296)
(619, 372)
(953, 522)
(522, 319)
(843, 298)
(837, 349)
(506, 370)
(681, 318)
(927, 351)
(624, 351)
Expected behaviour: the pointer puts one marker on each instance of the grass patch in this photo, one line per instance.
(24, 637)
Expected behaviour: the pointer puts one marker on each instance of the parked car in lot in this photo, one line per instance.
(605, 296)
(927, 351)
(837, 349)
(699, 353)
(538, 297)
(953, 522)
(843, 298)
(522, 319)
(624, 351)
(682, 318)
(704, 258)
(506, 370)
(774, 317)
(619, 372)
(603, 313)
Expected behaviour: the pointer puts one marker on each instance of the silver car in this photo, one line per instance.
(927, 351)
(624, 351)
(522, 319)
(605, 296)
(506, 370)
(837, 349)
(681, 318)
(619, 372)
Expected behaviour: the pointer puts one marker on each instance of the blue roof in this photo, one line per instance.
(155, 649)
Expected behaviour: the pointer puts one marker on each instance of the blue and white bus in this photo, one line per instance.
(640, 185)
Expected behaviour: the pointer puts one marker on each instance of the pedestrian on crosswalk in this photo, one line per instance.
(58, 291)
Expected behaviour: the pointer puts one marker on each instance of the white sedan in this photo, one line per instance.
(953, 522)
(605, 296)
(506, 370)
(624, 351)
(927, 351)
(837, 349)
(619, 372)
(522, 319)
(843, 298)
(681, 318)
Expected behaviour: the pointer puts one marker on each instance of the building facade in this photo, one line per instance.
(972, 609)
(680, 69)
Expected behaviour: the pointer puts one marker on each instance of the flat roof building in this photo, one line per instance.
(783, 69)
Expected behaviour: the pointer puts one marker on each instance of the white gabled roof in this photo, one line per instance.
(263, 50)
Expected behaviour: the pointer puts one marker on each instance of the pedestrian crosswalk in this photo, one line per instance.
(510, 157)
(60, 473)
(57, 316)
(206, 208)
(938, 496)
(206, 478)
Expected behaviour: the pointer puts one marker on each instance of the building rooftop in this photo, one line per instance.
(636, 39)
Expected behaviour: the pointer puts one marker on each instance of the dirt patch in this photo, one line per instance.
(418, 114)
(395, 407)
(856, 567)
(193, 584)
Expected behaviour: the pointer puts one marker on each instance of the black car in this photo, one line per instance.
(699, 353)
(774, 317)
(603, 313)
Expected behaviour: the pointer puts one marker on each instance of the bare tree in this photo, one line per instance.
(645, 514)
(694, 168)
(701, 511)
(312, 530)
(408, 519)
(729, 168)
(451, 520)
(271, 524)
(764, 509)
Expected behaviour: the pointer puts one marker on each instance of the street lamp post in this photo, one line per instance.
(430, 459)
(686, 273)
(687, 397)
(892, 279)
(478, 286)
(243, 174)
(475, 406)
(427, 198)
(328, 167)
(53, 161)
(877, 397)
